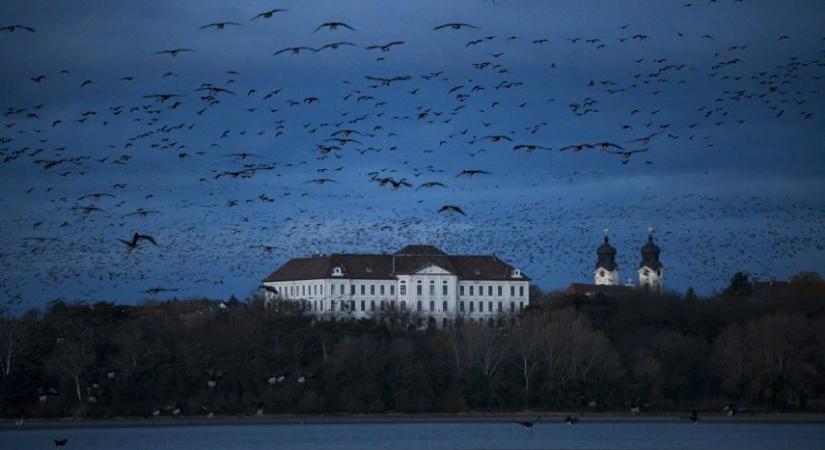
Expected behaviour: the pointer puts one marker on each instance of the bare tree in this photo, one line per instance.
(10, 337)
(526, 340)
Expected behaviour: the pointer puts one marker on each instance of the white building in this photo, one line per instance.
(606, 275)
(607, 271)
(651, 270)
(418, 279)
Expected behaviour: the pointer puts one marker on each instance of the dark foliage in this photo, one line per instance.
(761, 349)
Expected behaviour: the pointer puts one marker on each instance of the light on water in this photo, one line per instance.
(437, 435)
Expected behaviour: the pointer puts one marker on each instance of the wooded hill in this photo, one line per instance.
(760, 349)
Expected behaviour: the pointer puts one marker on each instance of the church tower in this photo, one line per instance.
(651, 271)
(607, 272)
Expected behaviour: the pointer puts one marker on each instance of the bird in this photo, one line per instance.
(470, 172)
(13, 28)
(694, 416)
(386, 47)
(333, 26)
(455, 26)
(430, 184)
(335, 45)
(451, 209)
(295, 50)
(268, 14)
(530, 147)
(219, 25)
(173, 52)
(528, 424)
(570, 420)
(321, 181)
(60, 443)
(132, 244)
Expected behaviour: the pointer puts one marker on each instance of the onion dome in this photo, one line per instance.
(650, 254)
(607, 256)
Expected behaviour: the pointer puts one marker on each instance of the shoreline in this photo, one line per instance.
(292, 419)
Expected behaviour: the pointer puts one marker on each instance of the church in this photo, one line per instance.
(421, 280)
(650, 271)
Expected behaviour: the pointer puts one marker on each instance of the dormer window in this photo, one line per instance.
(369, 269)
(477, 271)
(337, 272)
(516, 273)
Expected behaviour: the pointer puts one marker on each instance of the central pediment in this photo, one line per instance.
(432, 269)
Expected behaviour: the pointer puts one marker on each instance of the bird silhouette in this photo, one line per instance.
(136, 238)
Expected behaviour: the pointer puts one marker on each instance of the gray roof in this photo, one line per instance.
(409, 259)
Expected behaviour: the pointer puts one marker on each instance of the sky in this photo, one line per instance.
(711, 115)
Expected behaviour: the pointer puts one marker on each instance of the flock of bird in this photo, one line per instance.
(151, 183)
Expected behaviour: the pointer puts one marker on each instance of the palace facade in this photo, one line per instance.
(420, 280)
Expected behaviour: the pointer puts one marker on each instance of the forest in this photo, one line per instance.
(760, 349)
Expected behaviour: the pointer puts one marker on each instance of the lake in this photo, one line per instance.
(428, 435)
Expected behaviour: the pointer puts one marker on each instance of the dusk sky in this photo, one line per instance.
(704, 120)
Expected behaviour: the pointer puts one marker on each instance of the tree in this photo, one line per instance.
(739, 285)
(526, 340)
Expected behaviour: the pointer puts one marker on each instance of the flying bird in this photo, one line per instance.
(268, 14)
(386, 47)
(455, 26)
(470, 172)
(13, 28)
(137, 238)
(451, 209)
(173, 52)
(295, 50)
(219, 25)
(528, 424)
(334, 26)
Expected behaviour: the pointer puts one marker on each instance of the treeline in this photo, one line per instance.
(760, 349)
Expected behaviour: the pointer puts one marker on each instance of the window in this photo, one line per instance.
(403, 288)
(352, 305)
(432, 288)
(352, 289)
(499, 306)
(381, 289)
(481, 291)
(499, 290)
(418, 288)
(512, 306)
(372, 305)
(521, 291)
(512, 291)
(490, 291)
(480, 306)
(432, 305)
(392, 290)
(461, 306)
(363, 305)
(343, 291)
(471, 306)
(521, 306)
(382, 306)
(444, 306)
(332, 305)
(461, 290)
(322, 305)
(372, 289)
(336, 272)
(332, 289)
(471, 291)
(303, 289)
(363, 289)
(418, 306)
(489, 306)
(444, 289)
(403, 305)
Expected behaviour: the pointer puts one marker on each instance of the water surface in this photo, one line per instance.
(435, 435)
